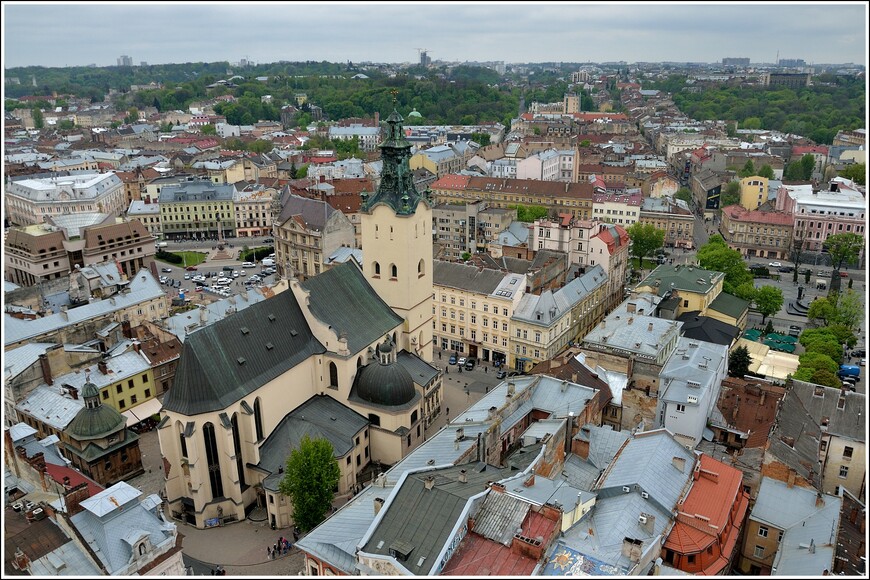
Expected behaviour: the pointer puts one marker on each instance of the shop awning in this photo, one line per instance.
(142, 411)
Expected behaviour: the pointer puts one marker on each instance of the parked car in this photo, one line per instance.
(824, 274)
(859, 352)
(269, 241)
(786, 269)
(198, 289)
(805, 271)
(243, 273)
(186, 276)
(168, 270)
(863, 362)
(191, 268)
(501, 374)
(469, 364)
(844, 274)
(248, 265)
(461, 361)
(775, 265)
(452, 359)
(227, 268)
(794, 330)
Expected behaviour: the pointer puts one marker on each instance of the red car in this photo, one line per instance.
(844, 274)
(191, 268)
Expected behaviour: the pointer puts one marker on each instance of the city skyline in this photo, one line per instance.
(45, 35)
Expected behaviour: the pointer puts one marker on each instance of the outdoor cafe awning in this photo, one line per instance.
(142, 411)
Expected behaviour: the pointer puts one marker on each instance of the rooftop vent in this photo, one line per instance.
(269, 346)
(293, 333)
(271, 318)
(245, 330)
(240, 360)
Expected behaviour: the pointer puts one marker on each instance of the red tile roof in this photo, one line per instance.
(804, 149)
(58, 472)
(479, 556)
(774, 218)
(452, 181)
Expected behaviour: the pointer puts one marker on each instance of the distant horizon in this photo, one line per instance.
(46, 35)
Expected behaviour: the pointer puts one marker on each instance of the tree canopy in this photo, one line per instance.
(530, 213)
(310, 477)
(717, 256)
(857, 172)
(739, 361)
(645, 239)
(685, 194)
(768, 301)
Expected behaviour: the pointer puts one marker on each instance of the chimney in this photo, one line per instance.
(73, 497)
(763, 397)
(649, 327)
(103, 367)
(630, 319)
(530, 480)
(491, 414)
(792, 475)
(630, 307)
(511, 389)
(21, 561)
(463, 476)
(564, 386)
(429, 482)
(679, 463)
(632, 549)
(46, 369)
(460, 434)
(74, 392)
(820, 500)
(379, 503)
(126, 329)
(647, 522)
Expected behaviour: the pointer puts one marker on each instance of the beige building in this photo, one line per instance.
(617, 209)
(673, 216)
(253, 206)
(543, 325)
(756, 233)
(559, 198)
(306, 232)
(473, 308)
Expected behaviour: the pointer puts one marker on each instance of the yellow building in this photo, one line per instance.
(753, 191)
(197, 209)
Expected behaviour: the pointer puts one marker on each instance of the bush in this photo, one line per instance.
(169, 257)
(256, 254)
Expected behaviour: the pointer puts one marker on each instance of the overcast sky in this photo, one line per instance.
(81, 34)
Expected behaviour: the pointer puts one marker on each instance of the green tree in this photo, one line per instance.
(739, 361)
(310, 476)
(715, 255)
(849, 309)
(807, 164)
(530, 213)
(208, 129)
(302, 171)
(857, 172)
(748, 169)
(465, 256)
(731, 195)
(817, 360)
(826, 378)
(684, 194)
(768, 301)
(822, 310)
(481, 139)
(827, 347)
(645, 239)
(66, 125)
(746, 291)
(38, 119)
(260, 146)
(132, 116)
(843, 249)
(766, 171)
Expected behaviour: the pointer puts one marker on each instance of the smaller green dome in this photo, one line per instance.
(95, 420)
(90, 390)
(414, 113)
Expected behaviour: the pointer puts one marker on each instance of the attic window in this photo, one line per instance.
(819, 392)
(245, 330)
(269, 346)
(241, 360)
(271, 318)
(293, 333)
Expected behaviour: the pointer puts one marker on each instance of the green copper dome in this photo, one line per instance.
(96, 420)
(385, 382)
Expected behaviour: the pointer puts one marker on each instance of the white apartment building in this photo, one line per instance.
(543, 166)
(31, 200)
(617, 208)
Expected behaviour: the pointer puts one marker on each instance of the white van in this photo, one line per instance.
(248, 265)
(268, 261)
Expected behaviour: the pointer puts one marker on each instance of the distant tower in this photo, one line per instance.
(34, 80)
(397, 242)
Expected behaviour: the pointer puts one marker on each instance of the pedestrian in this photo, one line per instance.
(448, 411)
(439, 355)
(484, 370)
(269, 552)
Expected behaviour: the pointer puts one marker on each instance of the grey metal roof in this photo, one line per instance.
(231, 358)
(17, 360)
(692, 360)
(439, 449)
(110, 531)
(423, 519)
(342, 298)
(46, 404)
(65, 560)
(118, 368)
(320, 417)
(646, 461)
(615, 331)
(197, 190)
(335, 540)
(421, 371)
(794, 511)
(579, 472)
(847, 422)
(143, 287)
(314, 212)
(794, 439)
(708, 329)
(469, 278)
(543, 490)
(185, 323)
(500, 516)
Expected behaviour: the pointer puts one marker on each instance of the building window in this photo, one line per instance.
(333, 375)
(681, 408)
(258, 419)
(147, 392)
(130, 384)
(762, 531)
(847, 453)
(105, 395)
(213, 461)
(844, 471)
(133, 399)
(121, 404)
(119, 389)
(759, 551)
